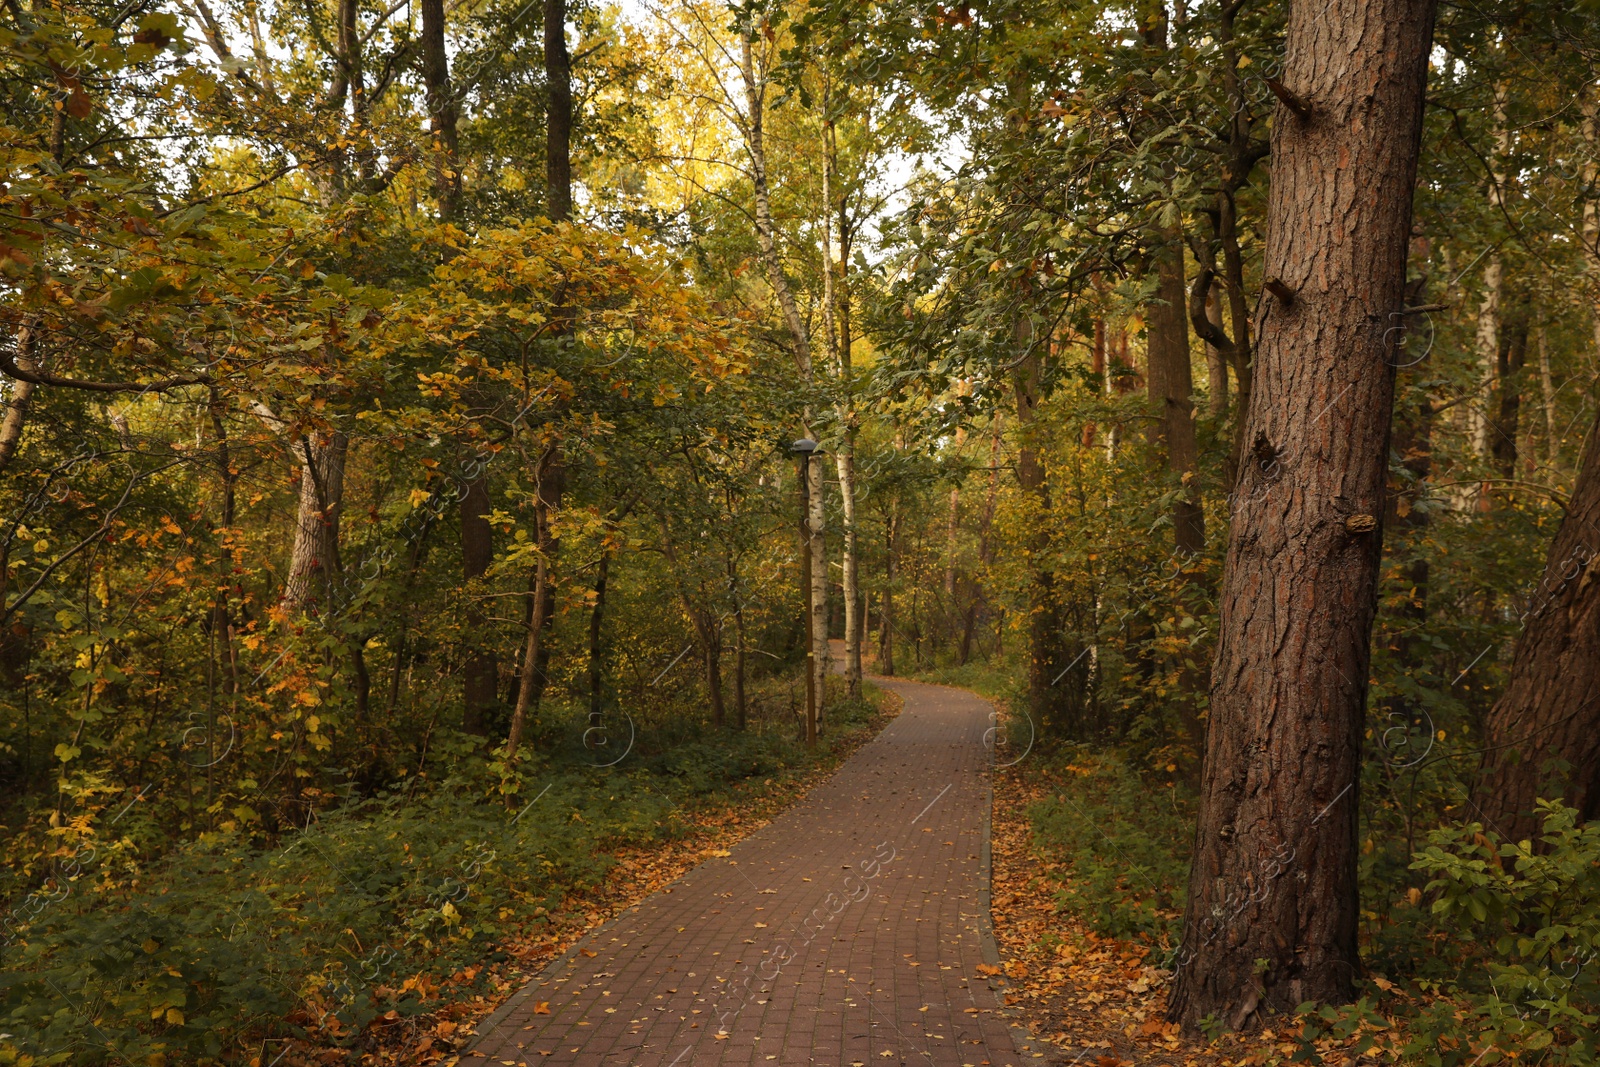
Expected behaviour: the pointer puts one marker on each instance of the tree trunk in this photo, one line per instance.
(1273, 877)
(536, 652)
(1171, 384)
(315, 558)
(596, 662)
(886, 600)
(711, 648)
(227, 583)
(951, 536)
(837, 304)
(1488, 349)
(1542, 737)
(1480, 413)
(1510, 359)
(822, 652)
(480, 673)
(755, 86)
(441, 110)
(558, 122)
(1216, 364)
(21, 394)
(741, 704)
(1043, 632)
(1547, 390)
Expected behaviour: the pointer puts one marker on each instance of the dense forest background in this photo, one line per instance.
(398, 513)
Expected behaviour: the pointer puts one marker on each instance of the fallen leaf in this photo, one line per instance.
(542, 1008)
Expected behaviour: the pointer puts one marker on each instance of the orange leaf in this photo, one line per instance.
(542, 1008)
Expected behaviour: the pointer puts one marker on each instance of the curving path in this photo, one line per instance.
(848, 930)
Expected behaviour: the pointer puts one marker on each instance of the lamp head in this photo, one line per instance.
(803, 447)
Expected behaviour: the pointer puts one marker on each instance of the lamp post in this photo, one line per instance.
(803, 450)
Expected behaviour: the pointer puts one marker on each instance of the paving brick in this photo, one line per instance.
(848, 930)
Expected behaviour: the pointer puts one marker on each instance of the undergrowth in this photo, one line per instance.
(379, 910)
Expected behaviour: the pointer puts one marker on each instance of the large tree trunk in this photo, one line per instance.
(558, 122)
(1550, 710)
(1272, 908)
(314, 561)
(479, 673)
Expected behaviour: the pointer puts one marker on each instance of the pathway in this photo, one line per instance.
(847, 931)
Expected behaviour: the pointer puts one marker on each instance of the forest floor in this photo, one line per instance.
(1096, 998)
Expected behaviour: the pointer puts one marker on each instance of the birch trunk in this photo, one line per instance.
(1487, 339)
(755, 88)
(838, 302)
(1547, 387)
(16, 417)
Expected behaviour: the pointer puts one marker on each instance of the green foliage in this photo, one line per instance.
(1513, 929)
(375, 906)
(1121, 846)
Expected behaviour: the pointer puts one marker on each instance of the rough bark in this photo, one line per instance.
(1542, 737)
(314, 561)
(558, 120)
(1273, 876)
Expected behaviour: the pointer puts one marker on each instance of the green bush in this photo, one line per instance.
(1516, 928)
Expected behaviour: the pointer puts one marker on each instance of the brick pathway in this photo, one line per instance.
(849, 930)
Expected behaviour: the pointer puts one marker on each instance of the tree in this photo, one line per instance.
(1272, 908)
(1542, 738)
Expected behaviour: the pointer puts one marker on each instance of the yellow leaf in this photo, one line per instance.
(150, 945)
(174, 1016)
